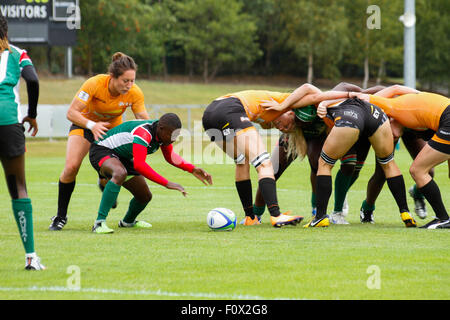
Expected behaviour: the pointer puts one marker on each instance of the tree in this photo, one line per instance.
(317, 30)
(111, 26)
(215, 34)
(433, 42)
(270, 28)
(374, 42)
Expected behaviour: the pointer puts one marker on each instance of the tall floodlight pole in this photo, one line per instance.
(69, 62)
(409, 47)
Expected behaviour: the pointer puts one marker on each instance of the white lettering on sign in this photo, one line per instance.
(24, 11)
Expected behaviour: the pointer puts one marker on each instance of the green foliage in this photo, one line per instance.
(317, 31)
(215, 35)
(433, 41)
(325, 38)
(106, 29)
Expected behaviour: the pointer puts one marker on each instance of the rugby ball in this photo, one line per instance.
(221, 219)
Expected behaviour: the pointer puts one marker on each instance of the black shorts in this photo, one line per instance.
(12, 140)
(441, 140)
(224, 117)
(80, 131)
(410, 134)
(358, 114)
(98, 154)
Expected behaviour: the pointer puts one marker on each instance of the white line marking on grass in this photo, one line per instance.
(161, 187)
(196, 187)
(159, 293)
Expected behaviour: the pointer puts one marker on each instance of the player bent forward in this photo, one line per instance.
(120, 156)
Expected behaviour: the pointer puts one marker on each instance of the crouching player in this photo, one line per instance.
(120, 157)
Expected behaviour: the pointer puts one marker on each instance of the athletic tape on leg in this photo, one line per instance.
(240, 159)
(327, 159)
(260, 159)
(386, 160)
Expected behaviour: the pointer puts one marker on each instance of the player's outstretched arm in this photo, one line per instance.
(395, 90)
(177, 161)
(176, 186)
(322, 107)
(202, 175)
(297, 97)
(141, 166)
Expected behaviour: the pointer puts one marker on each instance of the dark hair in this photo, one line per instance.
(170, 120)
(121, 63)
(3, 34)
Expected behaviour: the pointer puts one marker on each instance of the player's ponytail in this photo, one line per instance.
(121, 63)
(297, 144)
(4, 44)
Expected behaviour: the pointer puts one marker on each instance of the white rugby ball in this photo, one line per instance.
(221, 219)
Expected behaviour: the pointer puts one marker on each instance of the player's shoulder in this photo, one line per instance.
(16, 50)
(19, 54)
(97, 80)
(143, 129)
(136, 91)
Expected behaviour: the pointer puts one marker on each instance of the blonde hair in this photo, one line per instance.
(297, 144)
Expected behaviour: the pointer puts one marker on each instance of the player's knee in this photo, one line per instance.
(70, 171)
(145, 198)
(119, 174)
(414, 172)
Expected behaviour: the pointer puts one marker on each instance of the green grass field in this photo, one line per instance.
(180, 258)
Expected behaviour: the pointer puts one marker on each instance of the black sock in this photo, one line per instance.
(323, 194)
(64, 193)
(244, 189)
(432, 193)
(269, 192)
(398, 190)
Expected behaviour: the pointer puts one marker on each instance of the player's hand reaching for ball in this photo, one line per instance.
(203, 176)
(176, 186)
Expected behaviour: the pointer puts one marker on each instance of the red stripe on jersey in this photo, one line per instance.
(143, 134)
(24, 56)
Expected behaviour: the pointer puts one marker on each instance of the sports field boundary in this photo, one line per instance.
(158, 293)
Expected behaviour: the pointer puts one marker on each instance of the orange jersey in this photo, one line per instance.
(102, 106)
(251, 100)
(418, 111)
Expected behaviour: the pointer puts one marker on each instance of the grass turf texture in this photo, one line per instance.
(155, 92)
(180, 258)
